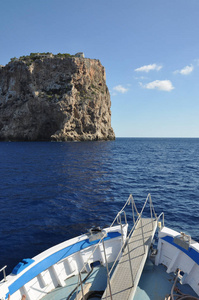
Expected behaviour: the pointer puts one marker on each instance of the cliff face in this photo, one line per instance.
(60, 99)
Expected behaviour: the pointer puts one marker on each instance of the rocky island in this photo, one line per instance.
(55, 98)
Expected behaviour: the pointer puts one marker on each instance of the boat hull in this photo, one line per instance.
(48, 270)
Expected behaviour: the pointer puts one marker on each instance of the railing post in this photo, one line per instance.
(119, 221)
(80, 278)
(133, 206)
(77, 287)
(142, 233)
(4, 272)
(132, 202)
(130, 263)
(108, 275)
(150, 203)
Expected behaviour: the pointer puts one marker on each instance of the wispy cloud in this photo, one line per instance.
(120, 89)
(161, 85)
(185, 71)
(148, 68)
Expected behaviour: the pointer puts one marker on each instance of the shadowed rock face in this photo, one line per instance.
(60, 99)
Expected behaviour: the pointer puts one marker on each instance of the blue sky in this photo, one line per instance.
(150, 50)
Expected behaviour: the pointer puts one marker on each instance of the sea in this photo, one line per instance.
(50, 192)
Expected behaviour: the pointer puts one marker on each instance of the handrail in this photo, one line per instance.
(161, 215)
(133, 228)
(117, 219)
(128, 202)
(122, 248)
(129, 235)
(4, 272)
(100, 241)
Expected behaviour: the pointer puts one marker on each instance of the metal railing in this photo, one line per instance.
(161, 216)
(4, 272)
(139, 219)
(125, 243)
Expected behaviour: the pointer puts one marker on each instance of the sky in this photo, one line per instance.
(150, 50)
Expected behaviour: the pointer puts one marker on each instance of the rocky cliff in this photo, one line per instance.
(54, 98)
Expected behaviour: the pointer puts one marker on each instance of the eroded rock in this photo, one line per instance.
(54, 98)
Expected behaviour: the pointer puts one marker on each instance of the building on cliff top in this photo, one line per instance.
(80, 54)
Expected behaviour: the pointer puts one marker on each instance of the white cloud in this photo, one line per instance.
(161, 85)
(185, 71)
(120, 89)
(148, 68)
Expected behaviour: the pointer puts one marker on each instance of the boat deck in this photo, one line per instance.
(129, 269)
(155, 283)
(97, 280)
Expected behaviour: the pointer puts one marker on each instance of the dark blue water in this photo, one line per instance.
(50, 192)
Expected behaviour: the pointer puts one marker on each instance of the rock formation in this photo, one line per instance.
(54, 97)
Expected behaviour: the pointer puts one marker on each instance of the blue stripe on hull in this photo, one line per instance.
(193, 254)
(53, 259)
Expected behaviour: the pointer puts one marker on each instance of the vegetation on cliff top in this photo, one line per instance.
(28, 59)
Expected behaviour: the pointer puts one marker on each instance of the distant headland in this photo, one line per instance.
(54, 97)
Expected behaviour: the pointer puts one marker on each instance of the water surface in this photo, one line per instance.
(50, 192)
